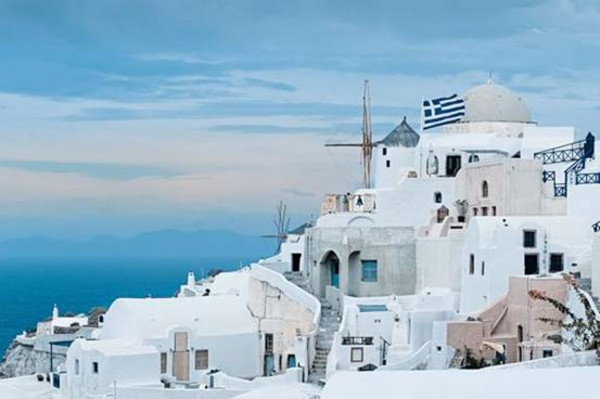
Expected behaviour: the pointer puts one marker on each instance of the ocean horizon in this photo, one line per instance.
(31, 286)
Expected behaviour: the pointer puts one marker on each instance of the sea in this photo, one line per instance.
(30, 287)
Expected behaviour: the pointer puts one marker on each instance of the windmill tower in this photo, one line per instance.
(367, 138)
(367, 144)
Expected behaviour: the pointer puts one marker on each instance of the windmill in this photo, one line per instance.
(367, 138)
(282, 225)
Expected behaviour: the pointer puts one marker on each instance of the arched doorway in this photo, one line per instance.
(331, 269)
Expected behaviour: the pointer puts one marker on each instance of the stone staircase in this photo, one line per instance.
(299, 279)
(330, 323)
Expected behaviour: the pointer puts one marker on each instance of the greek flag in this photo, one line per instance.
(442, 111)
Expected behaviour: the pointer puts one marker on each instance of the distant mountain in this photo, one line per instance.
(161, 243)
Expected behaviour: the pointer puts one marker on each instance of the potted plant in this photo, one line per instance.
(462, 207)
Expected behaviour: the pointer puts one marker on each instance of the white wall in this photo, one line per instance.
(238, 355)
(537, 138)
(583, 201)
(439, 262)
(282, 262)
(596, 265)
(400, 159)
(499, 243)
(125, 369)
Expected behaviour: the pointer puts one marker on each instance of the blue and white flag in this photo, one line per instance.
(442, 111)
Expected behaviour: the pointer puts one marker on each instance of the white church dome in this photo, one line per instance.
(494, 103)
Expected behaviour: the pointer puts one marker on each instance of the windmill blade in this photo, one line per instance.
(367, 144)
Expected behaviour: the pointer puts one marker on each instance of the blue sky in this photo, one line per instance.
(119, 117)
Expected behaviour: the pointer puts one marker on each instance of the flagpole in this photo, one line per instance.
(421, 138)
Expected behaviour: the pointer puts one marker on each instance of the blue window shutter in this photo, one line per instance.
(369, 271)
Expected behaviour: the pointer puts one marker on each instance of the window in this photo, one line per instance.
(384, 151)
(472, 264)
(556, 263)
(291, 361)
(388, 163)
(201, 359)
(531, 264)
(356, 355)
(296, 257)
(452, 165)
(494, 212)
(432, 164)
(437, 197)
(475, 211)
(163, 363)
(484, 189)
(269, 343)
(529, 239)
(369, 271)
(473, 158)
(442, 213)
(482, 268)
(76, 366)
(520, 333)
(484, 211)
(95, 367)
(547, 353)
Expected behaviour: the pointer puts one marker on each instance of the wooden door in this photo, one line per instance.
(181, 357)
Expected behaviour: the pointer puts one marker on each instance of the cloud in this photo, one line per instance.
(268, 84)
(165, 110)
(97, 170)
(298, 193)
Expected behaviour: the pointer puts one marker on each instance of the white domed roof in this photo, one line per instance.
(493, 103)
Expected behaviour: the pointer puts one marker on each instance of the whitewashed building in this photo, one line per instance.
(60, 324)
(287, 316)
(291, 257)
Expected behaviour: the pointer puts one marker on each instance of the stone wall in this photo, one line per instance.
(392, 247)
(20, 360)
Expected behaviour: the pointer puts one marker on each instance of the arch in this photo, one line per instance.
(330, 270)
(361, 221)
(442, 213)
(484, 189)
(437, 197)
(328, 254)
(432, 165)
(354, 273)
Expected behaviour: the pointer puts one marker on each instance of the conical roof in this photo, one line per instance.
(402, 136)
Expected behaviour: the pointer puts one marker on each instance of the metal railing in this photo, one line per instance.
(357, 340)
(548, 175)
(587, 178)
(564, 153)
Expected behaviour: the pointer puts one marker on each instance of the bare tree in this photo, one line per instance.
(282, 225)
(584, 331)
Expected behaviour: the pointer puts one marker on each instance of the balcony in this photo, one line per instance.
(354, 203)
(357, 340)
